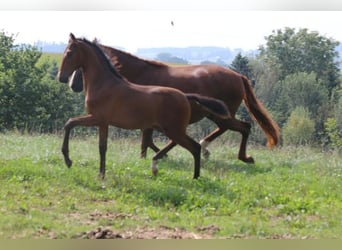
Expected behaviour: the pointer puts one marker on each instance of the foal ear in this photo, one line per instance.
(72, 37)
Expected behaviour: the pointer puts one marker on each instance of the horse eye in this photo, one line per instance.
(69, 53)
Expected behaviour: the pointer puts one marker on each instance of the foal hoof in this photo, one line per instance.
(247, 159)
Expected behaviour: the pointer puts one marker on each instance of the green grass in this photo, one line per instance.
(288, 193)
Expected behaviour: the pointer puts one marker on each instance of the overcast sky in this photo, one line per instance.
(132, 29)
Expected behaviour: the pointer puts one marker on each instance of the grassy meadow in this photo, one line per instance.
(290, 193)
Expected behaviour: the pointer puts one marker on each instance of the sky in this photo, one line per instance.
(133, 29)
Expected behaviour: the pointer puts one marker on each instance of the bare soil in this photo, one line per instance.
(146, 233)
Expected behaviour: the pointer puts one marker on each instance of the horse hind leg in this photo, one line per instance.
(244, 129)
(204, 148)
(233, 124)
(146, 142)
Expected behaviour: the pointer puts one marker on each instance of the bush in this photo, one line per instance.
(335, 136)
(299, 128)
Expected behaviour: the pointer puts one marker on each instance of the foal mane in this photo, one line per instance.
(99, 51)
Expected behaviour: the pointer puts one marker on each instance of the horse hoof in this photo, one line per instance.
(206, 153)
(155, 172)
(68, 162)
(247, 159)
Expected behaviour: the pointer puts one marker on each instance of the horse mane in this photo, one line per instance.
(99, 51)
(134, 57)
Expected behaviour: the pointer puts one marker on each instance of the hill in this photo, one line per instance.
(194, 54)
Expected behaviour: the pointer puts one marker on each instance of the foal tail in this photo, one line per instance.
(212, 105)
(260, 115)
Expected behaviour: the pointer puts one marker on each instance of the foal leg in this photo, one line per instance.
(65, 146)
(186, 142)
(147, 141)
(194, 148)
(88, 120)
(103, 135)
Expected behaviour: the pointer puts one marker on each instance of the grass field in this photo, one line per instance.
(50, 57)
(290, 193)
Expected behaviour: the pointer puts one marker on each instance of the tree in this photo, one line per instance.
(17, 72)
(30, 97)
(240, 64)
(299, 128)
(301, 90)
(290, 52)
(333, 126)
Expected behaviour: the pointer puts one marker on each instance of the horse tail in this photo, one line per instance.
(212, 105)
(260, 115)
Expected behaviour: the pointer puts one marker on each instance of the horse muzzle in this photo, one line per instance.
(62, 77)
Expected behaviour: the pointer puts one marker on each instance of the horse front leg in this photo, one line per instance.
(160, 154)
(103, 137)
(88, 120)
(65, 146)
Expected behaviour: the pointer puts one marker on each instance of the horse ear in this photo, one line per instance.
(72, 37)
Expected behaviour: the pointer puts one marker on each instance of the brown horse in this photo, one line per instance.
(112, 100)
(209, 80)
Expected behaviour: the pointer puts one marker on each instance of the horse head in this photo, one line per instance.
(70, 60)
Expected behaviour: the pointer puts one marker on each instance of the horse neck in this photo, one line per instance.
(132, 67)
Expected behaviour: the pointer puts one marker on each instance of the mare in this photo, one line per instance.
(112, 100)
(209, 80)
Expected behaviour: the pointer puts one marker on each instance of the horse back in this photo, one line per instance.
(208, 80)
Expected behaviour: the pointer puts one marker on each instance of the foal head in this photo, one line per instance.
(85, 55)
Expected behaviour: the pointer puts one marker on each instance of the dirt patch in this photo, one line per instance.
(146, 233)
(108, 216)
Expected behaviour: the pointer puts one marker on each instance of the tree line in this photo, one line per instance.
(298, 78)
(296, 75)
(30, 97)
